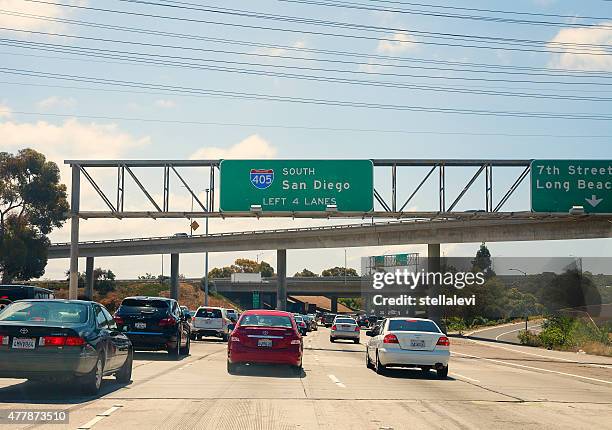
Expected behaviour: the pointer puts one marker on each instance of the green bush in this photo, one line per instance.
(529, 338)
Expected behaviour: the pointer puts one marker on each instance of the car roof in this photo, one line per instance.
(148, 298)
(267, 312)
(82, 302)
(409, 318)
(210, 307)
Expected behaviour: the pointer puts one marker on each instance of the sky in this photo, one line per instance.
(159, 79)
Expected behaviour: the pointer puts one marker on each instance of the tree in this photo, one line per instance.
(483, 262)
(104, 280)
(242, 265)
(305, 273)
(339, 271)
(32, 203)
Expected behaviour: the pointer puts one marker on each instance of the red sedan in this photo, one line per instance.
(265, 336)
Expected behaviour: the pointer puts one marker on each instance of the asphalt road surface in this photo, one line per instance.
(506, 333)
(490, 386)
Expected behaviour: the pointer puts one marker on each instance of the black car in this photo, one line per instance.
(155, 324)
(328, 319)
(63, 340)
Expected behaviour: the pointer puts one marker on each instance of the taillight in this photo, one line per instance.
(334, 327)
(167, 322)
(390, 338)
(4, 339)
(443, 341)
(118, 320)
(75, 341)
(53, 341)
(357, 328)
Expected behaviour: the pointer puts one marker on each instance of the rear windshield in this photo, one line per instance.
(345, 321)
(298, 318)
(413, 325)
(46, 313)
(266, 321)
(145, 303)
(209, 313)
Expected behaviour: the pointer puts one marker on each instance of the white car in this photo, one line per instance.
(210, 321)
(344, 328)
(408, 342)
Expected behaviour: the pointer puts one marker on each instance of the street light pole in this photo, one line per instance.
(206, 255)
(345, 266)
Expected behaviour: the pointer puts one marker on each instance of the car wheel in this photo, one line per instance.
(368, 362)
(380, 369)
(442, 373)
(176, 351)
(91, 383)
(331, 339)
(192, 337)
(124, 375)
(187, 347)
(231, 368)
(224, 337)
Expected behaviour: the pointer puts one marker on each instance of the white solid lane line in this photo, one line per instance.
(463, 377)
(336, 381)
(518, 329)
(603, 366)
(535, 368)
(99, 417)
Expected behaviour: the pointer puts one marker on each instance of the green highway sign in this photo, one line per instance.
(296, 185)
(557, 185)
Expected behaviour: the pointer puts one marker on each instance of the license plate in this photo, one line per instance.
(417, 343)
(24, 343)
(140, 325)
(264, 343)
(345, 327)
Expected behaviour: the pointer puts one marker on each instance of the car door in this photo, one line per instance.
(119, 341)
(372, 345)
(178, 315)
(380, 334)
(104, 333)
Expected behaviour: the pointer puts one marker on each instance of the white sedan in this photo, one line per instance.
(408, 342)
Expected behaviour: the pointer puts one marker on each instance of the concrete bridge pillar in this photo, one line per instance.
(89, 278)
(334, 305)
(174, 276)
(281, 273)
(433, 265)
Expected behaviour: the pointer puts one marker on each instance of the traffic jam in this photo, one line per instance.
(80, 343)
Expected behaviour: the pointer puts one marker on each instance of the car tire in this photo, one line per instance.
(232, 368)
(185, 350)
(192, 337)
(225, 337)
(91, 383)
(176, 351)
(124, 375)
(368, 362)
(331, 339)
(442, 373)
(380, 369)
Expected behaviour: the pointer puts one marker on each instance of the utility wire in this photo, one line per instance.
(303, 127)
(305, 100)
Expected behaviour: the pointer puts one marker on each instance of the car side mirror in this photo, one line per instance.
(187, 317)
(231, 327)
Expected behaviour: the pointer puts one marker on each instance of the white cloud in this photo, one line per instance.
(401, 42)
(56, 102)
(5, 111)
(50, 9)
(165, 104)
(587, 61)
(253, 146)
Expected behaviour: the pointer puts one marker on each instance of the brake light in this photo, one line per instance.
(390, 338)
(167, 322)
(75, 341)
(357, 328)
(53, 341)
(4, 339)
(443, 341)
(334, 327)
(118, 320)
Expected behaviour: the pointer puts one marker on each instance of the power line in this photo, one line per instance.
(305, 100)
(309, 128)
(515, 45)
(446, 14)
(354, 54)
(387, 84)
(68, 48)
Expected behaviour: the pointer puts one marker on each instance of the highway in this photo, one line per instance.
(489, 386)
(505, 333)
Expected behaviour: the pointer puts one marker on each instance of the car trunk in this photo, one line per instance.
(345, 327)
(417, 340)
(266, 337)
(142, 319)
(211, 319)
(28, 337)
